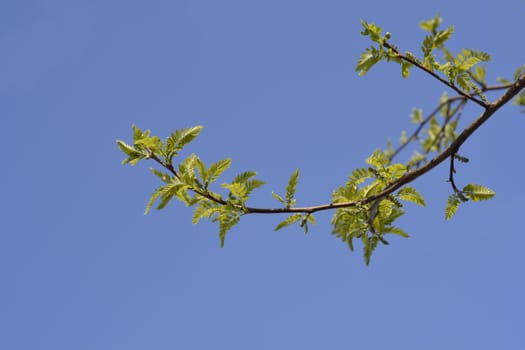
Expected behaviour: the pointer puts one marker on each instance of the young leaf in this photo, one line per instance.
(520, 101)
(187, 170)
(279, 198)
(244, 176)
(206, 209)
(227, 220)
(161, 175)
(307, 218)
(405, 69)
(368, 59)
(461, 158)
(290, 220)
(180, 138)
(410, 194)
(291, 187)
(153, 198)
(369, 244)
(201, 168)
(358, 176)
(431, 25)
(373, 31)
(442, 36)
(238, 191)
(452, 206)
(396, 231)
(519, 72)
(133, 154)
(416, 116)
(478, 192)
(216, 169)
(175, 189)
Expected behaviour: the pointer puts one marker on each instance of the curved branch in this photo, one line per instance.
(410, 176)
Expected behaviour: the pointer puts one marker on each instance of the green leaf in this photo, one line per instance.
(205, 209)
(371, 189)
(290, 220)
(428, 46)
(307, 218)
(480, 74)
(203, 173)
(246, 179)
(452, 206)
(405, 69)
(431, 25)
(519, 72)
(368, 59)
(174, 189)
(478, 192)
(227, 220)
(373, 31)
(416, 116)
(279, 198)
(134, 155)
(244, 176)
(403, 139)
(238, 191)
(416, 158)
(166, 178)
(463, 81)
(187, 170)
(291, 187)
(153, 198)
(358, 176)
(520, 101)
(461, 158)
(410, 194)
(370, 244)
(396, 231)
(378, 159)
(180, 138)
(442, 36)
(216, 169)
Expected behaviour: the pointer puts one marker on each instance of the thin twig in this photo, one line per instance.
(449, 100)
(451, 173)
(428, 71)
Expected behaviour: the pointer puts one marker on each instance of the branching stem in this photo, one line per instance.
(452, 172)
(512, 90)
(433, 74)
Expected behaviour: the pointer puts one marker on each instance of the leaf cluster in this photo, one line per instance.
(370, 222)
(461, 70)
(289, 201)
(470, 192)
(190, 181)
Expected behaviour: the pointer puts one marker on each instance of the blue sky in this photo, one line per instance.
(274, 85)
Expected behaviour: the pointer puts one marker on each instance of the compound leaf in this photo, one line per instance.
(410, 194)
(291, 187)
(452, 206)
(478, 192)
(290, 220)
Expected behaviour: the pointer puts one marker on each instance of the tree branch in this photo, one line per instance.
(448, 101)
(410, 176)
(428, 71)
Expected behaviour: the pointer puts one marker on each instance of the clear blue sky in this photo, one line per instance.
(273, 83)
